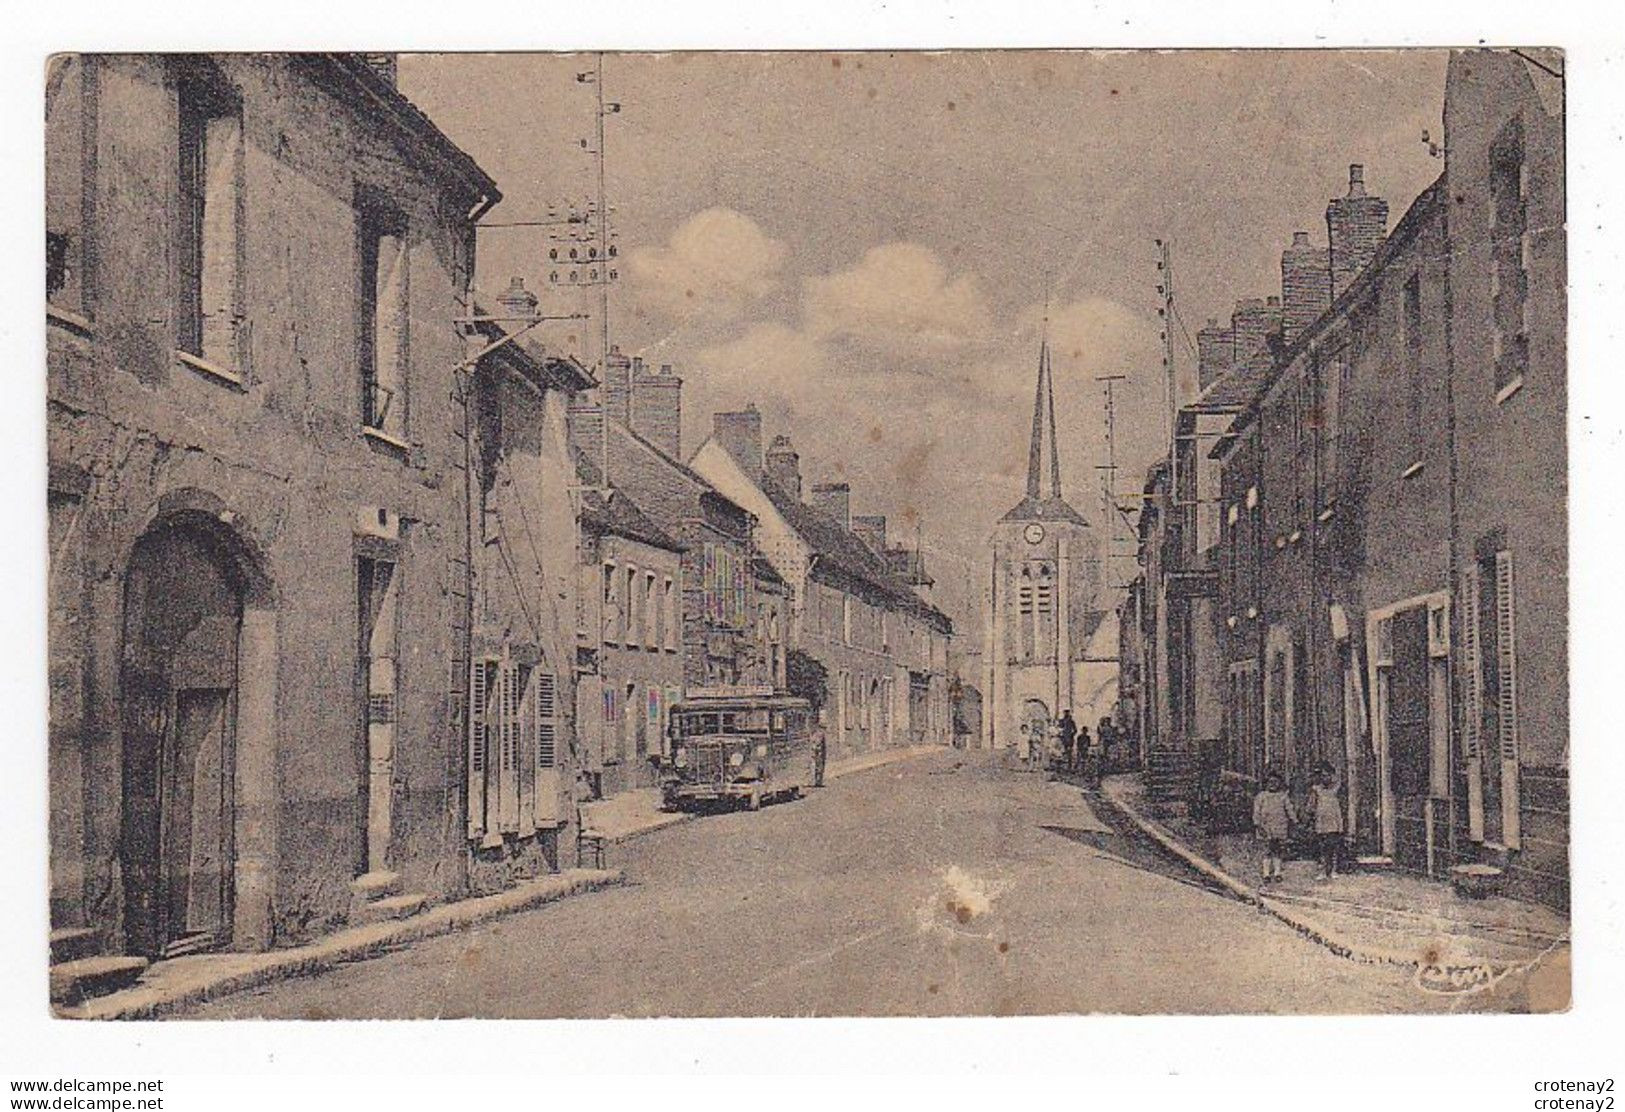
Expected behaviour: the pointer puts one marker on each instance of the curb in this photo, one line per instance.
(888, 757)
(882, 759)
(660, 822)
(349, 945)
(1331, 940)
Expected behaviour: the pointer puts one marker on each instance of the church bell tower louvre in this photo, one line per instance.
(1042, 594)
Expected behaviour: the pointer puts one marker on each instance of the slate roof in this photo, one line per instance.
(840, 551)
(1242, 387)
(531, 359)
(618, 515)
(1044, 509)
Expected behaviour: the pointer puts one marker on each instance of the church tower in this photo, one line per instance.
(1043, 594)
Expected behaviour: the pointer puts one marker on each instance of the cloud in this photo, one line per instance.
(716, 264)
(898, 299)
(769, 358)
(1095, 336)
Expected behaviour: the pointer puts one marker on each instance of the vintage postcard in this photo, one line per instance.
(886, 533)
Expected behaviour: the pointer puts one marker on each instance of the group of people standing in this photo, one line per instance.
(1076, 751)
(1275, 816)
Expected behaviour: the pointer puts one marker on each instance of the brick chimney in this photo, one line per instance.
(617, 387)
(585, 430)
(835, 499)
(740, 434)
(1252, 323)
(656, 407)
(1215, 352)
(1355, 227)
(784, 466)
(871, 530)
(517, 304)
(908, 564)
(1306, 286)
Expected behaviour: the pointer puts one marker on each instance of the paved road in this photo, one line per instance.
(940, 885)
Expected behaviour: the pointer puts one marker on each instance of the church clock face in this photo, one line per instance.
(1034, 533)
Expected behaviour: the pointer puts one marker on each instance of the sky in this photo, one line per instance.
(868, 246)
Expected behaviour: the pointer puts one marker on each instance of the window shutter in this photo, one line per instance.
(548, 804)
(546, 720)
(508, 735)
(1507, 666)
(222, 177)
(479, 694)
(1473, 698)
(525, 754)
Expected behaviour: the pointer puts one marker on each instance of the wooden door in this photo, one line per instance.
(1409, 736)
(182, 620)
(195, 820)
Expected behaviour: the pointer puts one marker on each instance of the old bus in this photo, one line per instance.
(740, 745)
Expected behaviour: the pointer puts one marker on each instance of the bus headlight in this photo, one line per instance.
(680, 758)
(736, 760)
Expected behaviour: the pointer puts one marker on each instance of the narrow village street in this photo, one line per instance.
(943, 885)
(399, 567)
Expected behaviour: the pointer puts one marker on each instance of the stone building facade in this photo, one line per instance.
(256, 508)
(630, 637)
(1389, 467)
(1508, 267)
(724, 594)
(852, 597)
(518, 643)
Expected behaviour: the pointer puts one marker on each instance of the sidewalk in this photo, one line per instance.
(1454, 943)
(633, 813)
(177, 982)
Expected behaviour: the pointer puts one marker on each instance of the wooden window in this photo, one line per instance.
(1506, 664)
(629, 607)
(662, 600)
(549, 805)
(651, 622)
(674, 620)
(610, 612)
(1415, 372)
(484, 716)
(1472, 690)
(384, 294)
(69, 131)
(209, 241)
(513, 776)
(507, 738)
(1509, 251)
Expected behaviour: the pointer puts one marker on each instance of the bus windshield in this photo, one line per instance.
(749, 720)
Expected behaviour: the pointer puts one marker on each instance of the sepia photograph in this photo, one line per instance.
(804, 533)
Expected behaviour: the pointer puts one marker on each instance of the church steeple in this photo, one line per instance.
(1039, 505)
(1044, 403)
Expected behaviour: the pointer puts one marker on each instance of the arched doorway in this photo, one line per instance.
(1034, 728)
(183, 618)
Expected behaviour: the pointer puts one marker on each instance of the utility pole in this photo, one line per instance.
(1165, 287)
(1108, 485)
(586, 252)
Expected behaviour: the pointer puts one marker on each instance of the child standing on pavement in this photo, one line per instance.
(1327, 814)
(1272, 822)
